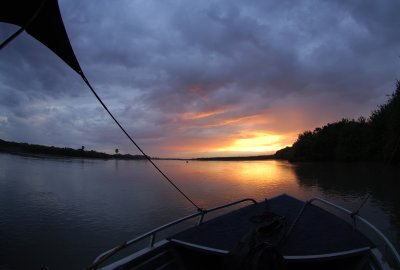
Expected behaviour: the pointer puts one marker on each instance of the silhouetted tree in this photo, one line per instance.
(377, 138)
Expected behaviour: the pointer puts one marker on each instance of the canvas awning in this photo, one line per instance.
(42, 20)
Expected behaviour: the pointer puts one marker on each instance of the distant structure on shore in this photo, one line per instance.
(25, 148)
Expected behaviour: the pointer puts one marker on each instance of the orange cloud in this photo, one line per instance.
(245, 143)
(202, 114)
(250, 119)
(222, 133)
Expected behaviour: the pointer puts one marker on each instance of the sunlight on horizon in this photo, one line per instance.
(259, 142)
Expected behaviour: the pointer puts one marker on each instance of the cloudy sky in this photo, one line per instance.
(200, 78)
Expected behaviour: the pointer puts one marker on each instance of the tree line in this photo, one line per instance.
(21, 148)
(376, 138)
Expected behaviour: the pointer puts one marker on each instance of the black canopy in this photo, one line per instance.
(42, 20)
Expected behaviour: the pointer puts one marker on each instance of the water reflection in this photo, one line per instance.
(350, 184)
(351, 180)
(213, 182)
(76, 209)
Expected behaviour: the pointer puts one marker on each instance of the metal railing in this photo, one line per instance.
(152, 234)
(387, 249)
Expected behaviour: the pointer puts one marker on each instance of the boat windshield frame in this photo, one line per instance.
(384, 245)
(152, 234)
(389, 252)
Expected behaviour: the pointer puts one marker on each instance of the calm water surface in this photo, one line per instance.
(62, 213)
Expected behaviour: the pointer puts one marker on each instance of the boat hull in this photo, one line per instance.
(279, 233)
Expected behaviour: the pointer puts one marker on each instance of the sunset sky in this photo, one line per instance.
(200, 78)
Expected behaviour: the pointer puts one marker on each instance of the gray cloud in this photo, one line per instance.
(153, 62)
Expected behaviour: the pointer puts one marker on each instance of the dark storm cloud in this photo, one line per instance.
(173, 68)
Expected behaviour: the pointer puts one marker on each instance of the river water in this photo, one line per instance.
(61, 213)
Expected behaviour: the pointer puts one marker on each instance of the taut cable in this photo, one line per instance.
(137, 146)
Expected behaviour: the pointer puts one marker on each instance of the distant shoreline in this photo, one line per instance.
(41, 151)
(246, 158)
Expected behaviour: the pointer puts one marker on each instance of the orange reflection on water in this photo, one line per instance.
(215, 182)
(262, 178)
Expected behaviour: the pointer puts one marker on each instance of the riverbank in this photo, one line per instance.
(43, 151)
(375, 138)
(262, 157)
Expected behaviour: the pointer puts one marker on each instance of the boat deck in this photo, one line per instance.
(316, 231)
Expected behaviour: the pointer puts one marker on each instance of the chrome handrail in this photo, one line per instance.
(388, 246)
(152, 234)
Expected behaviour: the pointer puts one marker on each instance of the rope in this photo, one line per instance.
(137, 146)
(17, 33)
(22, 29)
(289, 231)
(10, 38)
(355, 212)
